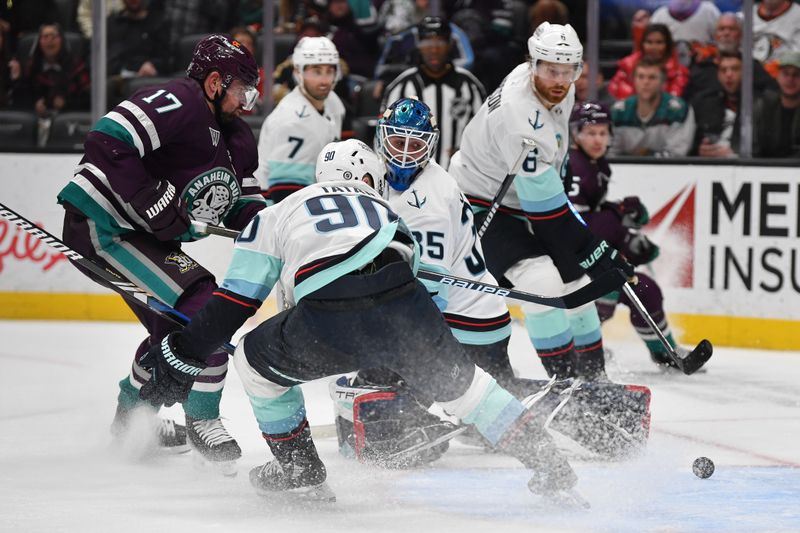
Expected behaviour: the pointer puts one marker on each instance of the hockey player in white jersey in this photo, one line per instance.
(302, 123)
(536, 242)
(378, 418)
(347, 263)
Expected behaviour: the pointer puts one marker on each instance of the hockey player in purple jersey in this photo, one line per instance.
(168, 155)
(619, 223)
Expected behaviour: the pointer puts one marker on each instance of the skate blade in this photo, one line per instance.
(174, 450)
(568, 500)
(316, 494)
(222, 468)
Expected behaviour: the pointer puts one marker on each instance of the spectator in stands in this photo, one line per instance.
(139, 41)
(489, 26)
(691, 23)
(776, 116)
(191, 17)
(727, 38)
(716, 110)
(19, 17)
(652, 121)
(84, 15)
(657, 46)
(582, 87)
(395, 16)
(357, 45)
(452, 93)
(776, 29)
(53, 79)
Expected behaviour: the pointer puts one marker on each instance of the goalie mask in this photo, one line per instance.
(406, 139)
(351, 160)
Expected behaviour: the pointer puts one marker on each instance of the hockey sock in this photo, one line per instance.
(281, 414)
(128, 396)
(589, 358)
(551, 336)
(487, 405)
(203, 405)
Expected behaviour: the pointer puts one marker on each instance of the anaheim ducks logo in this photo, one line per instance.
(182, 261)
(211, 195)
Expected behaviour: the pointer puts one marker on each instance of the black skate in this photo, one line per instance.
(553, 477)
(133, 423)
(213, 444)
(296, 471)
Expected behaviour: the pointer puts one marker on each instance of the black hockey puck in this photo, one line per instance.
(703, 467)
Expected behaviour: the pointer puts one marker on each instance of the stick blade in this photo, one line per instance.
(697, 357)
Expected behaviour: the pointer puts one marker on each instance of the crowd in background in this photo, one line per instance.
(675, 92)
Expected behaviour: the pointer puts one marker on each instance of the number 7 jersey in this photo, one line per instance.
(290, 140)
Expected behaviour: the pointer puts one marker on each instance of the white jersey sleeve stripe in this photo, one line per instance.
(145, 121)
(122, 121)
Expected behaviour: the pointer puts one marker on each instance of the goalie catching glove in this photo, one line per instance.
(171, 375)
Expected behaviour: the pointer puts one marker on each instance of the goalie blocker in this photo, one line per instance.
(387, 426)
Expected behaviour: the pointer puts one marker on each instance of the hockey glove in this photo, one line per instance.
(634, 213)
(600, 257)
(171, 374)
(163, 210)
(639, 250)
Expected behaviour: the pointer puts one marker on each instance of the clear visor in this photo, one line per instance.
(246, 94)
(565, 73)
(406, 148)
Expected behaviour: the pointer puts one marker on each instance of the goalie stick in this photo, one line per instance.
(689, 364)
(113, 280)
(602, 285)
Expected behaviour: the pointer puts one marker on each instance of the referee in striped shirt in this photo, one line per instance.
(453, 93)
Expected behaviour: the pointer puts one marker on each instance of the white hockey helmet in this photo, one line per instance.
(351, 160)
(556, 43)
(315, 51)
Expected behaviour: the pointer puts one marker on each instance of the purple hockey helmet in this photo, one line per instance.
(225, 55)
(589, 113)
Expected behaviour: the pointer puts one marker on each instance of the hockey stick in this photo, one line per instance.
(693, 360)
(527, 146)
(111, 279)
(602, 285)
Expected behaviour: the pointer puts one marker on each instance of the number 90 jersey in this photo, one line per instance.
(314, 237)
(440, 217)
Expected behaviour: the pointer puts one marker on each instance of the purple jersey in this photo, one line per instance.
(166, 132)
(587, 191)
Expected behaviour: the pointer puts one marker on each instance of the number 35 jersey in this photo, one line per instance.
(166, 132)
(440, 217)
(312, 238)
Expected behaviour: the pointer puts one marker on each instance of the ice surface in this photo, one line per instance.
(58, 471)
